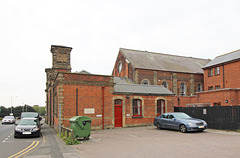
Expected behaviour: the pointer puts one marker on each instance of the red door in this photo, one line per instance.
(118, 113)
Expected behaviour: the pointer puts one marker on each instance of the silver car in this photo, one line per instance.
(179, 121)
(8, 119)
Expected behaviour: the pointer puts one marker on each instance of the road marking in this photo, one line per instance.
(8, 137)
(26, 150)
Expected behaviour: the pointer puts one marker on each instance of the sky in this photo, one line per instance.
(97, 29)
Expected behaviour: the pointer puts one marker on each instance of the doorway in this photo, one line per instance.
(118, 112)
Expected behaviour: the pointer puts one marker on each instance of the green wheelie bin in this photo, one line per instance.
(81, 125)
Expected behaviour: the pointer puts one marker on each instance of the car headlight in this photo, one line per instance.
(191, 124)
(35, 129)
(18, 129)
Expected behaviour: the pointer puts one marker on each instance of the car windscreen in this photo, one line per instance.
(28, 122)
(181, 116)
(8, 117)
(29, 115)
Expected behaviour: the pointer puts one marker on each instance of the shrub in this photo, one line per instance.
(69, 141)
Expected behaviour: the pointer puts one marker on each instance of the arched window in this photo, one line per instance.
(145, 82)
(137, 107)
(165, 84)
(160, 107)
(118, 102)
(119, 67)
(182, 89)
(199, 87)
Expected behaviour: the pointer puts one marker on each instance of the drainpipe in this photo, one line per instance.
(103, 107)
(223, 77)
(77, 102)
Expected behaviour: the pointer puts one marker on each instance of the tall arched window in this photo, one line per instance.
(119, 67)
(182, 89)
(160, 107)
(165, 84)
(199, 87)
(137, 107)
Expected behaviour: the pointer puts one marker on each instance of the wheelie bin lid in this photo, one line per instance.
(73, 119)
(76, 118)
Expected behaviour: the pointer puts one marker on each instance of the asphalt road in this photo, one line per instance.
(48, 145)
(9, 146)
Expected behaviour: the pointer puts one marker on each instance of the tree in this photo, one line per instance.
(4, 111)
(40, 110)
(15, 110)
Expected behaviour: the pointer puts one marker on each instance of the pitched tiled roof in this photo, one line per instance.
(164, 62)
(124, 87)
(224, 58)
(123, 80)
(141, 89)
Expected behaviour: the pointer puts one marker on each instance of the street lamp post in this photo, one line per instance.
(11, 103)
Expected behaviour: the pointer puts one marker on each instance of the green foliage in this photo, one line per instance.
(69, 141)
(40, 110)
(15, 110)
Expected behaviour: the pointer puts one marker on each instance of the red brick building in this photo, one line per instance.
(181, 75)
(195, 82)
(142, 86)
(222, 80)
(221, 83)
(110, 101)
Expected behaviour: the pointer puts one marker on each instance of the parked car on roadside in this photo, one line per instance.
(8, 120)
(179, 121)
(28, 127)
(31, 115)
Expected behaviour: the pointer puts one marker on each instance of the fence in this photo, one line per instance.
(217, 117)
(67, 132)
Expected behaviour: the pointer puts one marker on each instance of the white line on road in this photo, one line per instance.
(8, 137)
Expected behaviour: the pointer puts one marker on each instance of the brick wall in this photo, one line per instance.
(90, 95)
(228, 77)
(226, 97)
(232, 76)
(82, 92)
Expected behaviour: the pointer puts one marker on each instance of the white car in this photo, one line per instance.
(8, 119)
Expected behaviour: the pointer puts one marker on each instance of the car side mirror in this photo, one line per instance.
(41, 124)
(174, 119)
(16, 124)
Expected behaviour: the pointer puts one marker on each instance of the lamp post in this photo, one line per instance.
(11, 103)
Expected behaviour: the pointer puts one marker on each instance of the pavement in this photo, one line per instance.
(52, 146)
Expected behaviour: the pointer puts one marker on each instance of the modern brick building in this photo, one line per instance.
(221, 83)
(222, 80)
(110, 101)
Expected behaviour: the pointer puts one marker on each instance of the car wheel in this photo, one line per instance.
(159, 126)
(183, 128)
